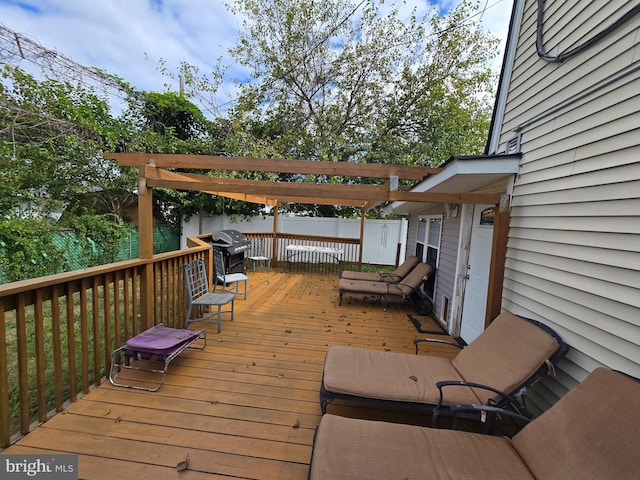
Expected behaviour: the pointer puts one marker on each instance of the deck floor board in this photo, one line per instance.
(245, 407)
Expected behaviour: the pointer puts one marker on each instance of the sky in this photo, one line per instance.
(128, 38)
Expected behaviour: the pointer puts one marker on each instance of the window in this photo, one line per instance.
(487, 216)
(428, 244)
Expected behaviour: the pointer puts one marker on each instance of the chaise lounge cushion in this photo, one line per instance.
(398, 274)
(352, 449)
(510, 350)
(591, 432)
(391, 376)
(507, 354)
(403, 288)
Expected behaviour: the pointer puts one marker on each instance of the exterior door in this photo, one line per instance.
(477, 277)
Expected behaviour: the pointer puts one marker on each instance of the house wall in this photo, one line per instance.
(573, 258)
(445, 274)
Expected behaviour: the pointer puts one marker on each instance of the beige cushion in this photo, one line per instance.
(405, 268)
(402, 289)
(391, 376)
(363, 286)
(417, 276)
(591, 432)
(395, 276)
(508, 352)
(349, 449)
(366, 276)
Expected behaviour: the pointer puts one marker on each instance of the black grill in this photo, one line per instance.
(233, 245)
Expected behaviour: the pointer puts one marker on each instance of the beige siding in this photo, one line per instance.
(573, 258)
(447, 267)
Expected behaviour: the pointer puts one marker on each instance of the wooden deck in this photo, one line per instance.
(243, 408)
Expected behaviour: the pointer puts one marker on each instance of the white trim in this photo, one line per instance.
(462, 259)
(505, 81)
(462, 175)
(465, 167)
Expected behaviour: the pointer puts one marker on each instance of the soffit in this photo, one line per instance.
(464, 176)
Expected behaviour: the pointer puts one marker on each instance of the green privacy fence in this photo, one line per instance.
(164, 240)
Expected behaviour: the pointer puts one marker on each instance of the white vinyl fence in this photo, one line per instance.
(383, 240)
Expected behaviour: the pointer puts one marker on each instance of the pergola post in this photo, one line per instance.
(145, 232)
(362, 216)
(274, 243)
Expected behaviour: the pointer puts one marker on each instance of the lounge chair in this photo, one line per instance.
(497, 367)
(592, 432)
(392, 277)
(404, 289)
(158, 344)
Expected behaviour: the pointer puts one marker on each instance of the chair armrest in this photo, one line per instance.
(416, 341)
(489, 414)
(521, 409)
(489, 409)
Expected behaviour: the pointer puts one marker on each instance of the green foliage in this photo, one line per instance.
(100, 237)
(27, 250)
(338, 81)
(335, 83)
(52, 136)
(164, 111)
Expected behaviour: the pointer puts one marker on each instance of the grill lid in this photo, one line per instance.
(228, 237)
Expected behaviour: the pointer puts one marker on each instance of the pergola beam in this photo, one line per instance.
(335, 194)
(157, 177)
(211, 162)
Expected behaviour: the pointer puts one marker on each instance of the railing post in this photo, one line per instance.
(274, 243)
(145, 226)
(5, 416)
(362, 217)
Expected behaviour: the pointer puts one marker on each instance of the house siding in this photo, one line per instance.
(447, 267)
(573, 257)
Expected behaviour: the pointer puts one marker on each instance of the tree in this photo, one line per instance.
(344, 82)
(52, 136)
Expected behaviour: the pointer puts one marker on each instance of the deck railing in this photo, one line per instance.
(275, 246)
(57, 332)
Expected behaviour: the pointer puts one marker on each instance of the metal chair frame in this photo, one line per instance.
(227, 278)
(257, 254)
(200, 296)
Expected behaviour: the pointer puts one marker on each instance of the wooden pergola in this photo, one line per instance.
(171, 171)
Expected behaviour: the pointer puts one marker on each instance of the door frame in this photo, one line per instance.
(481, 249)
(496, 268)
